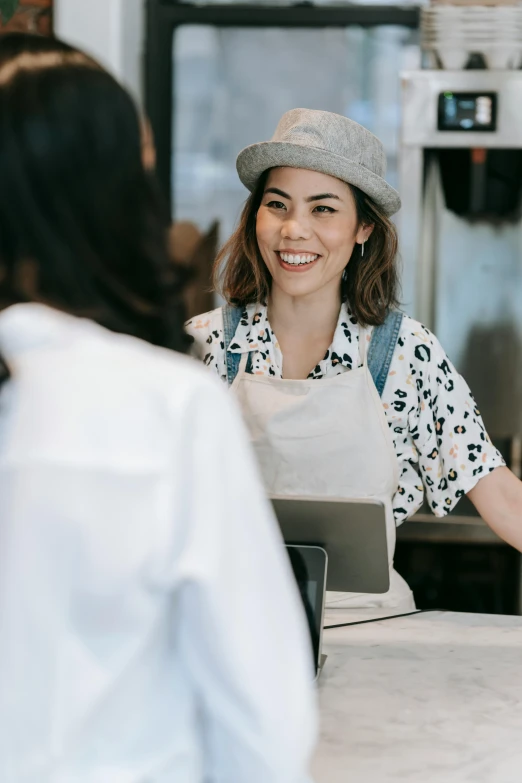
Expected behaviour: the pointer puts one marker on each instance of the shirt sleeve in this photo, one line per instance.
(207, 333)
(245, 641)
(454, 449)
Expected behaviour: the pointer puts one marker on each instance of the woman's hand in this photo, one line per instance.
(498, 499)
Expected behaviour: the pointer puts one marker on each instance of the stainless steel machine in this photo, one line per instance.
(461, 230)
(460, 173)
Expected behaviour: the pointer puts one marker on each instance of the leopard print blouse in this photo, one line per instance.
(440, 440)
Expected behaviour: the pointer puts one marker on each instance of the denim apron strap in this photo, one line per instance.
(231, 319)
(382, 346)
(380, 353)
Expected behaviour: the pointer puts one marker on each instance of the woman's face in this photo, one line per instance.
(306, 229)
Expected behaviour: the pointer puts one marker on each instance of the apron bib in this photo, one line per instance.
(326, 438)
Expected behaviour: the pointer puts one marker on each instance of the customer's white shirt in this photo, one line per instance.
(150, 629)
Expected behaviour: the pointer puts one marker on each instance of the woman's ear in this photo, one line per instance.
(148, 149)
(364, 233)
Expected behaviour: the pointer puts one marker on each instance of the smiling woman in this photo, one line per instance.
(310, 277)
(243, 272)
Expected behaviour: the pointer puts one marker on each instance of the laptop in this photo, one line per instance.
(352, 532)
(309, 564)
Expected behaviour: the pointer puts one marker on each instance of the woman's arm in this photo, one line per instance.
(498, 499)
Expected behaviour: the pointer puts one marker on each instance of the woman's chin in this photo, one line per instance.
(299, 287)
(304, 285)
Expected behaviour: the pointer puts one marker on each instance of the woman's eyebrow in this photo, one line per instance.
(318, 197)
(322, 196)
(278, 193)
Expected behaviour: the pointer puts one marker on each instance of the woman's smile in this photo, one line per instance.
(297, 260)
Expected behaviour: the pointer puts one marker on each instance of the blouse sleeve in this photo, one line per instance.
(207, 332)
(454, 449)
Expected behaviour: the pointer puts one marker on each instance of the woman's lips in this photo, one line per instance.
(297, 262)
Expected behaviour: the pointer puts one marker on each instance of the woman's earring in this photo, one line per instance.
(362, 249)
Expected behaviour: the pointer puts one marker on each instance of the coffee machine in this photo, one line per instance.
(460, 227)
(461, 231)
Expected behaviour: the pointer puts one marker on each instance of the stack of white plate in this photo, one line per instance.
(455, 32)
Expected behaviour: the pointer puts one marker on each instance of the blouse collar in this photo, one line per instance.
(254, 332)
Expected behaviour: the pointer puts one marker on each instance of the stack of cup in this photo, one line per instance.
(454, 32)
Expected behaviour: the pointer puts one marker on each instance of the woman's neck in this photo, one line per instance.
(313, 315)
(304, 328)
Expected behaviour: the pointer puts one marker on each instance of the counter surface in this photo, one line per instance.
(431, 698)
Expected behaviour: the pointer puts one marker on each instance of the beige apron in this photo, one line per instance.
(326, 438)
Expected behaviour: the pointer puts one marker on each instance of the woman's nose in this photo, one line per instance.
(295, 228)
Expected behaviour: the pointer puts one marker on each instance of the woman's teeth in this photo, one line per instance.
(298, 260)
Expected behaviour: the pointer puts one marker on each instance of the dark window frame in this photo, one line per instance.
(164, 17)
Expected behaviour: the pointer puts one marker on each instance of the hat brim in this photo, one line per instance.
(254, 160)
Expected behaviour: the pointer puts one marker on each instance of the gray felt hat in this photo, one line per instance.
(325, 142)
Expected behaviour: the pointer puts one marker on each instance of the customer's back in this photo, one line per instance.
(143, 585)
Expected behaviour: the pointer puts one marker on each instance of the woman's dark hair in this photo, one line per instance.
(82, 226)
(370, 283)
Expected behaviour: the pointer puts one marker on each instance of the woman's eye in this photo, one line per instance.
(276, 205)
(323, 209)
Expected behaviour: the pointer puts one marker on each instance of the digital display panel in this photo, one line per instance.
(466, 111)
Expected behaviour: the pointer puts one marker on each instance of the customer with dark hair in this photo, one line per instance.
(150, 628)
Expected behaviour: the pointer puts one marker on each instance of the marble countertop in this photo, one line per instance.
(431, 698)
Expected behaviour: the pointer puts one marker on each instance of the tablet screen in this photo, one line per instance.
(309, 567)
